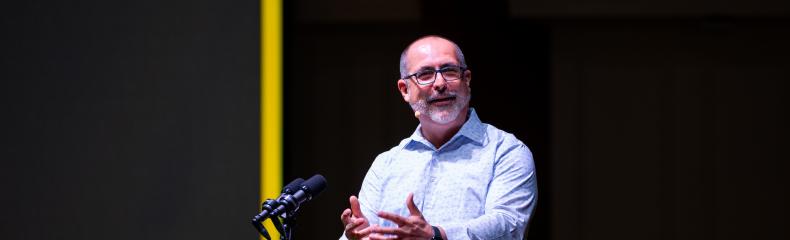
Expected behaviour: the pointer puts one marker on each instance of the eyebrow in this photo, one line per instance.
(440, 66)
(448, 65)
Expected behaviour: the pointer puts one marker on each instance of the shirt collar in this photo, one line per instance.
(472, 129)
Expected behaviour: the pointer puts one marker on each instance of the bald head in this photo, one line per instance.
(428, 40)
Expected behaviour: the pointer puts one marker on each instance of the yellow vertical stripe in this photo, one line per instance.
(271, 103)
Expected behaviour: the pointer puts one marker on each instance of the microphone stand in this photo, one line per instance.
(285, 227)
(289, 224)
(257, 221)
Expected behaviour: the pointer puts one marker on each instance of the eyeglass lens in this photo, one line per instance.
(448, 73)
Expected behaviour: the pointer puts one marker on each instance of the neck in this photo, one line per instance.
(439, 134)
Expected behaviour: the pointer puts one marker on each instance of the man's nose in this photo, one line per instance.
(440, 84)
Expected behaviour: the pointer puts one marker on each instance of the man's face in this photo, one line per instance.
(441, 101)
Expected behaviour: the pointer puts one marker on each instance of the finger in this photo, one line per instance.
(366, 231)
(390, 230)
(376, 236)
(355, 207)
(397, 219)
(353, 225)
(412, 207)
(359, 220)
(345, 216)
(352, 232)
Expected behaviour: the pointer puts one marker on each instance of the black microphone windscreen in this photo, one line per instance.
(293, 186)
(314, 185)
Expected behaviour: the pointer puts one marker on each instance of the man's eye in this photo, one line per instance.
(452, 73)
(426, 75)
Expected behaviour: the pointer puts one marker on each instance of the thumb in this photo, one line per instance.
(355, 210)
(412, 207)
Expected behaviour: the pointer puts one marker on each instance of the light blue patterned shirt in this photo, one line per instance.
(479, 185)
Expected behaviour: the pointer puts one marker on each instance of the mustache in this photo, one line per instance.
(441, 96)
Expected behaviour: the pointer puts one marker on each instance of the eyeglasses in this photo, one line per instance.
(428, 76)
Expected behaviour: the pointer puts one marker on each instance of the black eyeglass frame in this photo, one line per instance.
(413, 76)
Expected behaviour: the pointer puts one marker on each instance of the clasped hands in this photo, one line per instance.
(412, 227)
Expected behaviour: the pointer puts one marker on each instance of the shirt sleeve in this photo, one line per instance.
(510, 201)
(370, 193)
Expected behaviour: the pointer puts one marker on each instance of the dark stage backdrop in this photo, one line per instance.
(129, 119)
(670, 129)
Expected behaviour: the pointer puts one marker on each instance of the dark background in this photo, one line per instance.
(139, 120)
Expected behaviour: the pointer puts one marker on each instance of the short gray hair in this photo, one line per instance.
(403, 63)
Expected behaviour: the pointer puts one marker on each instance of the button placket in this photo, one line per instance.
(432, 180)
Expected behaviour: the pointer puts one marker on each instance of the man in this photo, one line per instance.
(460, 178)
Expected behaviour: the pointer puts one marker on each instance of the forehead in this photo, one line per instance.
(431, 52)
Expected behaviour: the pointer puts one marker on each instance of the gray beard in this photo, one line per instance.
(441, 115)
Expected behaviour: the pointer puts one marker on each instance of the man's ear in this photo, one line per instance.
(468, 77)
(404, 89)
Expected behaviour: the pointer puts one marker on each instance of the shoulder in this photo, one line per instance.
(506, 144)
(500, 137)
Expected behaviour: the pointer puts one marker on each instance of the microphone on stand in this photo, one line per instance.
(289, 203)
(293, 195)
(269, 205)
